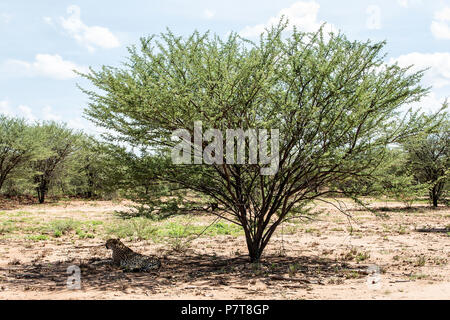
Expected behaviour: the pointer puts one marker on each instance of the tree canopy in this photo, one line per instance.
(334, 101)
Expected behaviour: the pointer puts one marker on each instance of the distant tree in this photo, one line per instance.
(394, 179)
(19, 145)
(61, 143)
(88, 176)
(334, 102)
(428, 157)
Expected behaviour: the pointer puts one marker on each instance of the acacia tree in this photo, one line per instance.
(61, 143)
(428, 157)
(19, 144)
(335, 104)
(395, 179)
(89, 174)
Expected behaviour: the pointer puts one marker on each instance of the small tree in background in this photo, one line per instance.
(395, 180)
(19, 145)
(335, 105)
(428, 157)
(89, 172)
(61, 143)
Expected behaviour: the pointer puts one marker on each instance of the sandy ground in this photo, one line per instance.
(403, 255)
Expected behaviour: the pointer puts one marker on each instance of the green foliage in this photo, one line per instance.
(59, 228)
(176, 228)
(61, 143)
(90, 173)
(137, 228)
(19, 145)
(395, 180)
(51, 159)
(137, 175)
(428, 157)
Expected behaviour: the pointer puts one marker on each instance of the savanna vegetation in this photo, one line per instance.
(339, 109)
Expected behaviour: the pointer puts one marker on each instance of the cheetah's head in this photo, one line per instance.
(113, 243)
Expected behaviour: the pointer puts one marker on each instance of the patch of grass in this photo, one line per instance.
(61, 227)
(421, 261)
(353, 275)
(354, 254)
(178, 232)
(222, 228)
(290, 229)
(293, 269)
(439, 261)
(362, 256)
(137, 228)
(84, 235)
(88, 229)
(95, 222)
(179, 244)
(7, 227)
(350, 255)
(418, 276)
(37, 237)
(22, 213)
(402, 230)
(183, 230)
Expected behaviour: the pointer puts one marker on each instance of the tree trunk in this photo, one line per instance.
(434, 196)
(2, 181)
(255, 251)
(42, 190)
(41, 196)
(255, 245)
(435, 200)
(258, 236)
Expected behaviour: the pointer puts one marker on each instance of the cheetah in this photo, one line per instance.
(129, 260)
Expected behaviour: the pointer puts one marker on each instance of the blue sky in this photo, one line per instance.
(42, 41)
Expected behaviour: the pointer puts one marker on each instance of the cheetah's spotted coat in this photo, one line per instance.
(129, 260)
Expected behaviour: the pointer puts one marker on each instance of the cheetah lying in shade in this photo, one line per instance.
(129, 260)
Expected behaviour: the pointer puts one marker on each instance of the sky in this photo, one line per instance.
(42, 42)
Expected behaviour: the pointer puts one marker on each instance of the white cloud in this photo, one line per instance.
(408, 3)
(46, 65)
(26, 112)
(440, 27)
(86, 126)
(5, 18)
(88, 36)
(21, 111)
(301, 14)
(373, 21)
(209, 14)
(438, 75)
(47, 114)
(48, 21)
(5, 108)
(428, 103)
